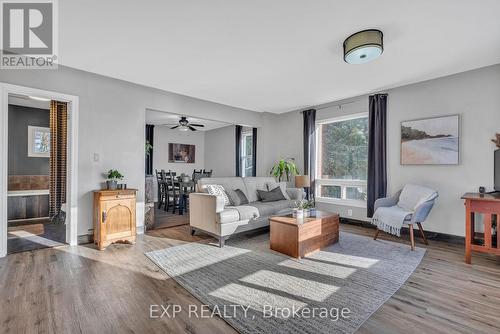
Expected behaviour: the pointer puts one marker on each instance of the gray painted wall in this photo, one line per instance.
(111, 123)
(474, 95)
(19, 120)
(220, 151)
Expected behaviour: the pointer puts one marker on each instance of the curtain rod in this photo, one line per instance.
(343, 104)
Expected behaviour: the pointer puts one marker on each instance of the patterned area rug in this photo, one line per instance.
(257, 290)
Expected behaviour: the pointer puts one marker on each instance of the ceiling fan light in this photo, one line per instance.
(363, 46)
(183, 128)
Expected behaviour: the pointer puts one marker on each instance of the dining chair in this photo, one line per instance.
(161, 187)
(173, 192)
(207, 173)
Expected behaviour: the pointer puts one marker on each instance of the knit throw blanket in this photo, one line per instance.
(391, 219)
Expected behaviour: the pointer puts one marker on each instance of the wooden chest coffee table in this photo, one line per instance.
(301, 237)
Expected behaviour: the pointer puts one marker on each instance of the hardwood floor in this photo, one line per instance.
(165, 219)
(34, 234)
(81, 290)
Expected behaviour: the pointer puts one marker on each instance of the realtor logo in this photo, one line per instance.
(29, 34)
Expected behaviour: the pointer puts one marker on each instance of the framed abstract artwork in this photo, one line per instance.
(430, 141)
(38, 142)
(181, 153)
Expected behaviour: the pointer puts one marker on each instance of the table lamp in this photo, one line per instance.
(303, 181)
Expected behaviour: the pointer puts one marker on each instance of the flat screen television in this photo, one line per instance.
(497, 170)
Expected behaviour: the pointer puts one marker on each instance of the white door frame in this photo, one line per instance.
(72, 173)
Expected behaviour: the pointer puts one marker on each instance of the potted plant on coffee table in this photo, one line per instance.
(113, 177)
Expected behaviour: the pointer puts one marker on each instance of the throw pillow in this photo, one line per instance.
(218, 190)
(242, 199)
(282, 185)
(271, 196)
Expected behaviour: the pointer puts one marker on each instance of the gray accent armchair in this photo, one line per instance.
(418, 217)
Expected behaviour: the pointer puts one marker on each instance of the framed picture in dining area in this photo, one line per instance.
(183, 153)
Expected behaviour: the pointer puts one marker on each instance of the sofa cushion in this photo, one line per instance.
(218, 190)
(252, 184)
(226, 182)
(271, 196)
(247, 212)
(267, 209)
(229, 215)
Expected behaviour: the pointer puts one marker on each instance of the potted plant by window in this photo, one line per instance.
(113, 177)
(284, 168)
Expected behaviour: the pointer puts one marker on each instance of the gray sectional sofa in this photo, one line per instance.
(208, 213)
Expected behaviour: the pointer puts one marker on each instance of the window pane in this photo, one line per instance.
(331, 191)
(248, 145)
(357, 193)
(344, 149)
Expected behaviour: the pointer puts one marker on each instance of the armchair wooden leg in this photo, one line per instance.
(422, 233)
(376, 234)
(412, 239)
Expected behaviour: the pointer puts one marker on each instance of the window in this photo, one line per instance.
(246, 154)
(342, 160)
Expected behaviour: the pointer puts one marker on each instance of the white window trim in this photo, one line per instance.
(243, 151)
(336, 182)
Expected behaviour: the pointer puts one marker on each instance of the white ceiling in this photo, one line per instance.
(160, 118)
(275, 55)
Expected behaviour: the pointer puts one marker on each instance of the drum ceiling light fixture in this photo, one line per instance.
(363, 46)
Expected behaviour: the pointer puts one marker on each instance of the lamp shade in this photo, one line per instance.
(363, 46)
(302, 181)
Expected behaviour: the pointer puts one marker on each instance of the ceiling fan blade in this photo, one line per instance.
(191, 128)
(174, 127)
(200, 125)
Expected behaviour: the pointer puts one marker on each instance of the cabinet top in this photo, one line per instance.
(115, 191)
(482, 197)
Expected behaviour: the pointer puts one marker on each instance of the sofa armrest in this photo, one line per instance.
(203, 209)
(387, 201)
(296, 194)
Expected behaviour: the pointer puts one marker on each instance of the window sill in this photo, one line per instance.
(343, 202)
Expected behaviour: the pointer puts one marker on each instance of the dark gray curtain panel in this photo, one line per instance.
(238, 130)
(377, 150)
(150, 130)
(310, 148)
(254, 152)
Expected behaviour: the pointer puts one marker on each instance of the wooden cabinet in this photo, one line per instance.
(486, 206)
(114, 217)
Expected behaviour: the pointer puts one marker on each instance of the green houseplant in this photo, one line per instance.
(149, 147)
(284, 168)
(113, 177)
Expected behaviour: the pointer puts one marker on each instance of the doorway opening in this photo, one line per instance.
(179, 152)
(38, 183)
(36, 186)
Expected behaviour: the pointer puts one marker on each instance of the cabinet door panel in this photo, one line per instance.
(119, 216)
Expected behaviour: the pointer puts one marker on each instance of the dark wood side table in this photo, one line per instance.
(488, 205)
(301, 237)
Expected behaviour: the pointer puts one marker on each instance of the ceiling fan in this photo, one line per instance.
(184, 125)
